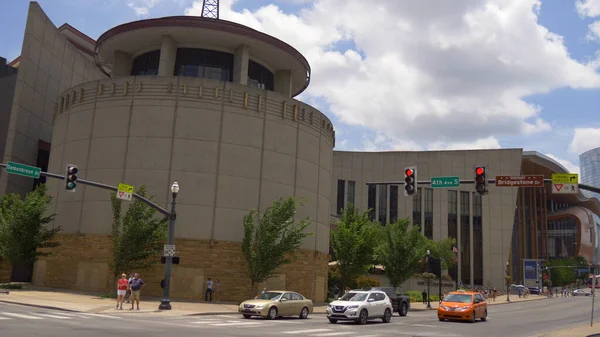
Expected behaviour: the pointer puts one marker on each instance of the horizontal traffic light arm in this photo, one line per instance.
(472, 181)
(106, 187)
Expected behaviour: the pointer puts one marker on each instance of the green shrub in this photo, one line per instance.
(366, 282)
(416, 296)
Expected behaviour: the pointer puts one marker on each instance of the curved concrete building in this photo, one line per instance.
(207, 103)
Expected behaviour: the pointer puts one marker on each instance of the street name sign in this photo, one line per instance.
(565, 183)
(442, 182)
(125, 192)
(23, 170)
(520, 181)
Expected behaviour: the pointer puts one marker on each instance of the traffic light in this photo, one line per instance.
(410, 180)
(71, 178)
(480, 181)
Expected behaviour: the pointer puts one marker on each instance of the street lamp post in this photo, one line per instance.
(428, 281)
(165, 302)
(507, 282)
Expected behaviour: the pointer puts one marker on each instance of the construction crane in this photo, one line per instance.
(210, 9)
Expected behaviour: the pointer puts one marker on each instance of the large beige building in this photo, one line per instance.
(209, 103)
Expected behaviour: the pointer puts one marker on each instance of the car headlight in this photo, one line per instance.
(259, 306)
(330, 306)
(465, 308)
(444, 307)
(353, 307)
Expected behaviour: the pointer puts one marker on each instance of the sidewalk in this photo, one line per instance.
(579, 331)
(68, 300)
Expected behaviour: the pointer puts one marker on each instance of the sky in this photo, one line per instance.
(411, 75)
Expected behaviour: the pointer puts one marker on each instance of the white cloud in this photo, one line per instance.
(585, 139)
(431, 72)
(483, 143)
(572, 168)
(142, 7)
(590, 9)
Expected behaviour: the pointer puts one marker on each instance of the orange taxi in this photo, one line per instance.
(463, 305)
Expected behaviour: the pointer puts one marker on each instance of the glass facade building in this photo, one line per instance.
(589, 162)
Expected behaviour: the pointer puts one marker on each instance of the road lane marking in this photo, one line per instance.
(100, 315)
(70, 315)
(206, 321)
(306, 331)
(237, 324)
(1, 318)
(19, 315)
(341, 333)
(52, 316)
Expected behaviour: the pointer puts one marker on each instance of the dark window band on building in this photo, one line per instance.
(341, 190)
(260, 77)
(478, 238)
(416, 218)
(146, 64)
(210, 64)
(393, 203)
(428, 230)
(453, 225)
(465, 238)
(351, 191)
(371, 201)
(382, 217)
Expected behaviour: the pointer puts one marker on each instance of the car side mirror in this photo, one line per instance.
(283, 300)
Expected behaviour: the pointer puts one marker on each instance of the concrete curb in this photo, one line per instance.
(39, 306)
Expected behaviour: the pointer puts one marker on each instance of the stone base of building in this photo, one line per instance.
(82, 262)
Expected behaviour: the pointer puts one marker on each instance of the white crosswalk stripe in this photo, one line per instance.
(12, 314)
(53, 315)
(339, 333)
(305, 331)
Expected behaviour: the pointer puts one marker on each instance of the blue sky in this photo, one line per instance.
(550, 107)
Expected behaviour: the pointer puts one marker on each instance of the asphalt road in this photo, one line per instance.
(517, 319)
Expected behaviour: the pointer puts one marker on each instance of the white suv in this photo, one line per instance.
(361, 306)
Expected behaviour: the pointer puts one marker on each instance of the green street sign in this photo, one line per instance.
(23, 170)
(442, 182)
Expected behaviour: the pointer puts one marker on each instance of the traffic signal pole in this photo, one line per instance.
(106, 187)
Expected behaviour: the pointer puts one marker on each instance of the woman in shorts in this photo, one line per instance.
(122, 286)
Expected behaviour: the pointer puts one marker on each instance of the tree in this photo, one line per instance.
(23, 227)
(401, 251)
(138, 235)
(442, 249)
(271, 238)
(353, 241)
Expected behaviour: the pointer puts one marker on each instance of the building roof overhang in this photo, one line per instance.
(145, 35)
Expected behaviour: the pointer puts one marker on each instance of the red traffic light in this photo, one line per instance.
(409, 172)
(480, 170)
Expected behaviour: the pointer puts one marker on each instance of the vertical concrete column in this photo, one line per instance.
(240, 65)
(121, 64)
(168, 53)
(283, 82)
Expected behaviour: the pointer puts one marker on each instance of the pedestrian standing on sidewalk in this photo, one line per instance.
(136, 285)
(209, 290)
(128, 294)
(122, 286)
(216, 289)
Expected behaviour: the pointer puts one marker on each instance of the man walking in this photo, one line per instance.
(209, 290)
(136, 284)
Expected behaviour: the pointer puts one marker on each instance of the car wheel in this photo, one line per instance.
(247, 316)
(304, 313)
(473, 318)
(387, 316)
(403, 309)
(363, 317)
(441, 319)
(484, 318)
(332, 321)
(272, 313)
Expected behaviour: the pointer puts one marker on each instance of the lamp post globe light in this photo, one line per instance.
(428, 280)
(165, 302)
(507, 282)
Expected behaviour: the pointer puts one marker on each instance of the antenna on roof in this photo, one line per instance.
(210, 9)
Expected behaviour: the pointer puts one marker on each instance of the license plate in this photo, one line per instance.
(248, 310)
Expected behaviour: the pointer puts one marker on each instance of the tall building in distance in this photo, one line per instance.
(589, 162)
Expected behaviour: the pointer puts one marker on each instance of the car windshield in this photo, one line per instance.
(270, 295)
(355, 297)
(459, 298)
